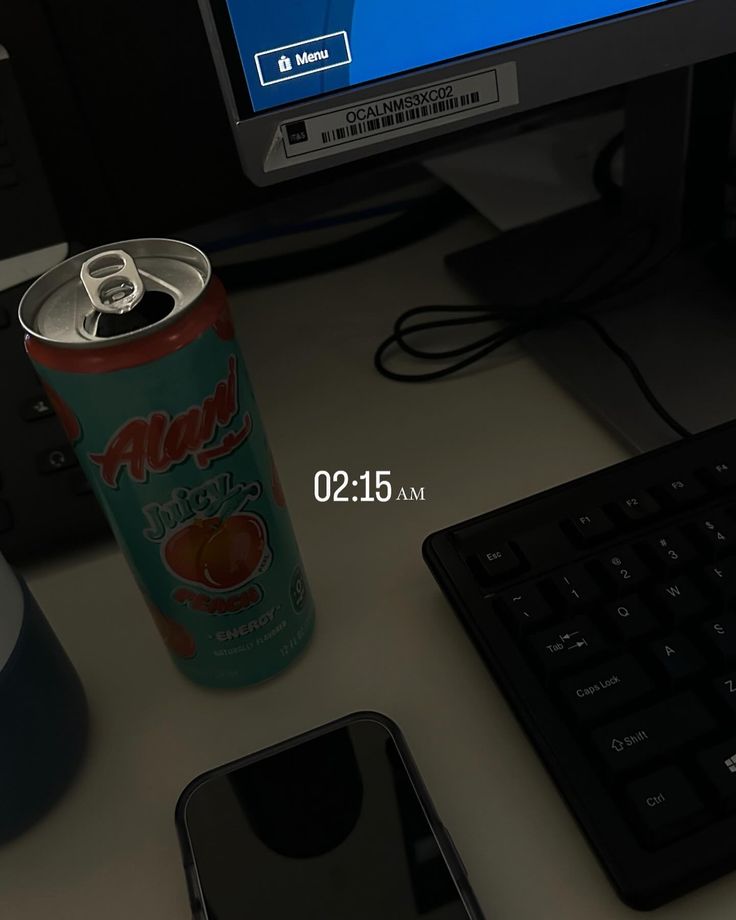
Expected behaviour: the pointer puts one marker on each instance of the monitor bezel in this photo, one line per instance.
(242, 93)
(655, 38)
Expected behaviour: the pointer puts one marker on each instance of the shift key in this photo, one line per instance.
(653, 732)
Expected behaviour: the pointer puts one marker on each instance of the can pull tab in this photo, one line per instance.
(112, 282)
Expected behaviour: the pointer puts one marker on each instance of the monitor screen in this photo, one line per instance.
(292, 50)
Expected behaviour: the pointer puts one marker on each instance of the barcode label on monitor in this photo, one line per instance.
(386, 117)
(397, 119)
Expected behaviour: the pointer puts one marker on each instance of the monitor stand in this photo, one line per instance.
(679, 321)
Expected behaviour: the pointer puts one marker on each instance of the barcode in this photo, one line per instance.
(395, 120)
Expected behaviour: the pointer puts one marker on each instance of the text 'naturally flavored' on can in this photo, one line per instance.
(136, 348)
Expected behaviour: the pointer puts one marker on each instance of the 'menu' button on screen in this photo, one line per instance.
(303, 58)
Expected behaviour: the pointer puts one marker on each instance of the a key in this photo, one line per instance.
(589, 527)
(570, 644)
(622, 570)
(679, 598)
(677, 657)
(525, 608)
(669, 550)
(666, 803)
(597, 692)
(719, 766)
(720, 633)
(681, 492)
(653, 732)
(575, 588)
(637, 507)
(630, 617)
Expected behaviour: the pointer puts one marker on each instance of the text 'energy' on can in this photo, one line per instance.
(136, 348)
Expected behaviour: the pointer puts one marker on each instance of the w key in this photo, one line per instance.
(680, 599)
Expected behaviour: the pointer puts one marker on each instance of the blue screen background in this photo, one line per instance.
(391, 36)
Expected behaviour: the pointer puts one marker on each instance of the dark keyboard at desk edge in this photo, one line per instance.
(46, 504)
(606, 611)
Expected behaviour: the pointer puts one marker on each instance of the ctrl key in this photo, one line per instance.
(665, 803)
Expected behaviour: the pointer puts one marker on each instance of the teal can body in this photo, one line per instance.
(166, 427)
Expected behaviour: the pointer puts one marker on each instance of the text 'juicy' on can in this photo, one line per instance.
(136, 348)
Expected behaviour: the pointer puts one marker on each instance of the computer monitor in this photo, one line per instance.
(314, 84)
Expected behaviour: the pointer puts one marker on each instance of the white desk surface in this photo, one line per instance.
(386, 638)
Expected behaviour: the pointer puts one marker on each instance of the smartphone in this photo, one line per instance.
(335, 823)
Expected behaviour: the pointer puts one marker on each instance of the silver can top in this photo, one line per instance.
(114, 293)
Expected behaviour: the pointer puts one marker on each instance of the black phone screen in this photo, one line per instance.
(329, 828)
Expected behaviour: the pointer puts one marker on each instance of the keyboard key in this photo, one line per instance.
(679, 598)
(721, 579)
(666, 803)
(6, 518)
(678, 658)
(715, 533)
(37, 407)
(498, 562)
(719, 766)
(56, 459)
(596, 693)
(79, 483)
(725, 688)
(720, 633)
(720, 475)
(657, 731)
(575, 588)
(589, 527)
(621, 570)
(568, 645)
(637, 507)
(631, 618)
(678, 493)
(525, 608)
(669, 550)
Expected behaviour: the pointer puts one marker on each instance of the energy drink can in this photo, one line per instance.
(137, 351)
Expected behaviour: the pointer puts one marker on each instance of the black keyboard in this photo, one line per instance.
(46, 503)
(606, 612)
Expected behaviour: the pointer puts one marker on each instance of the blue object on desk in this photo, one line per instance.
(43, 710)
